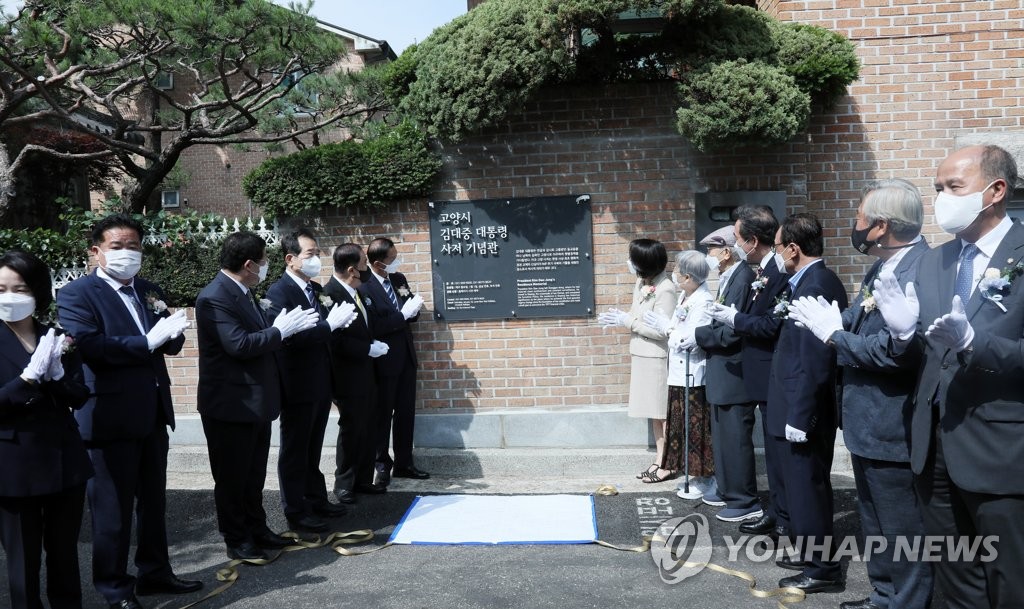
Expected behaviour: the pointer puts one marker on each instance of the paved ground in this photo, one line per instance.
(408, 577)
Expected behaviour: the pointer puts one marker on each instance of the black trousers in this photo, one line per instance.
(238, 461)
(396, 413)
(773, 468)
(28, 525)
(298, 464)
(356, 450)
(951, 511)
(732, 439)
(130, 480)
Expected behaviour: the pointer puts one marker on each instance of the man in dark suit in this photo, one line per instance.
(964, 315)
(755, 322)
(877, 393)
(802, 416)
(306, 385)
(732, 419)
(395, 307)
(123, 330)
(353, 350)
(240, 390)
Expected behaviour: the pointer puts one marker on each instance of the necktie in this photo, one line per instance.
(391, 294)
(359, 305)
(129, 291)
(965, 274)
(310, 295)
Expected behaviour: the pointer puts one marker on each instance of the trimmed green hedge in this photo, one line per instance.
(396, 164)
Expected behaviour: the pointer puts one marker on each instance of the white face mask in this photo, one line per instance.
(629, 265)
(741, 251)
(311, 266)
(122, 264)
(713, 262)
(262, 273)
(955, 213)
(780, 263)
(393, 267)
(16, 307)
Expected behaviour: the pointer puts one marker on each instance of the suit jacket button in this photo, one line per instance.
(945, 365)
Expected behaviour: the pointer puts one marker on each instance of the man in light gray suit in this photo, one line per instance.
(965, 315)
(877, 392)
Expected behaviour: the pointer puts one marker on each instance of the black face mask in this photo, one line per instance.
(365, 276)
(859, 238)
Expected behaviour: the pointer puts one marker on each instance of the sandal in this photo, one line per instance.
(650, 470)
(650, 477)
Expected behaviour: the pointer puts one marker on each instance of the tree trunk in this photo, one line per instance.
(6, 181)
(138, 195)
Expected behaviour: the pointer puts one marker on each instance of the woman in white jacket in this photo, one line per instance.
(690, 313)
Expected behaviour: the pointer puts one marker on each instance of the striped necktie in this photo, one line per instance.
(391, 294)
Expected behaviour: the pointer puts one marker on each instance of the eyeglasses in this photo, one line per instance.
(775, 247)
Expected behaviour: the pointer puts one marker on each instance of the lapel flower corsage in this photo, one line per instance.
(367, 301)
(68, 344)
(994, 283)
(781, 309)
(155, 304)
(404, 292)
(647, 292)
(265, 304)
(867, 301)
(326, 300)
(757, 285)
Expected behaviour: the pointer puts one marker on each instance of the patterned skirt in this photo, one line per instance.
(701, 457)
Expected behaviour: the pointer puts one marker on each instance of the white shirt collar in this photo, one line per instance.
(240, 285)
(302, 282)
(892, 262)
(991, 240)
(117, 285)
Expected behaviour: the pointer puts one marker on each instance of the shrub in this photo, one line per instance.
(393, 164)
(738, 103)
(823, 63)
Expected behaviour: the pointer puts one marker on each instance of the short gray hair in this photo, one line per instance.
(896, 201)
(694, 264)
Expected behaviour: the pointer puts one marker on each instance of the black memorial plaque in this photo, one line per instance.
(512, 258)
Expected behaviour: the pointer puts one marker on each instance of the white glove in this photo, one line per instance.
(722, 313)
(900, 310)
(378, 348)
(612, 318)
(657, 321)
(952, 330)
(688, 341)
(39, 363)
(795, 435)
(412, 307)
(55, 371)
(295, 321)
(341, 315)
(818, 316)
(165, 329)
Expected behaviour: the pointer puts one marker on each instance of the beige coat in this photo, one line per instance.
(644, 340)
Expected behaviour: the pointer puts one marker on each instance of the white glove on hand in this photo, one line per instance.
(722, 313)
(688, 341)
(900, 310)
(612, 318)
(952, 330)
(55, 371)
(795, 435)
(341, 315)
(165, 329)
(657, 321)
(412, 307)
(818, 316)
(378, 348)
(40, 360)
(295, 321)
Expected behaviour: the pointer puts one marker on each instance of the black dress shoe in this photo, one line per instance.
(382, 478)
(330, 510)
(246, 551)
(791, 563)
(410, 472)
(272, 541)
(171, 584)
(810, 585)
(765, 525)
(370, 489)
(129, 603)
(864, 604)
(345, 496)
(307, 522)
